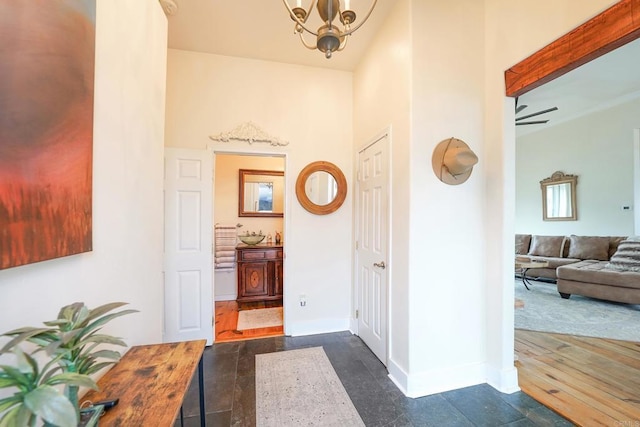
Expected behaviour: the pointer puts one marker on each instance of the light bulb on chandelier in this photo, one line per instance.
(329, 37)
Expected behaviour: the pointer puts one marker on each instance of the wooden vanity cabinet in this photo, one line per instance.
(260, 275)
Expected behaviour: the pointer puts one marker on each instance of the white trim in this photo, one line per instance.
(636, 181)
(440, 380)
(505, 380)
(229, 297)
(216, 149)
(319, 326)
(398, 376)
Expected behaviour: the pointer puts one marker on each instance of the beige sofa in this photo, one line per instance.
(615, 280)
(563, 250)
(595, 266)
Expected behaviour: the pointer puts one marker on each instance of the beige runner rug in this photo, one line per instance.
(300, 388)
(259, 318)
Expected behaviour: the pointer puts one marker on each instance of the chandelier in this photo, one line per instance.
(329, 37)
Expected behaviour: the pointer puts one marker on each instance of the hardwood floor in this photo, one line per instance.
(227, 320)
(590, 381)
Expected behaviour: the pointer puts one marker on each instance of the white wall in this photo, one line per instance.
(451, 322)
(417, 81)
(126, 262)
(513, 31)
(598, 148)
(382, 84)
(448, 99)
(312, 109)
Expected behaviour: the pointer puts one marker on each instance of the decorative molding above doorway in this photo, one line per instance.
(251, 133)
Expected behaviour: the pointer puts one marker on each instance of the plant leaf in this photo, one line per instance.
(56, 322)
(101, 321)
(8, 402)
(10, 418)
(103, 309)
(105, 339)
(20, 335)
(6, 382)
(52, 406)
(68, 312)
(81, 318)
(106, 354)
(21, 380)
(73, 379)
(97, 367)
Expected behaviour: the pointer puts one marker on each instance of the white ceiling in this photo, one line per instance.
(602, 83)
(262, 29)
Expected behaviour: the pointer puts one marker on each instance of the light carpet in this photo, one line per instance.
(259, 318)
(300, 388)
(544, 310)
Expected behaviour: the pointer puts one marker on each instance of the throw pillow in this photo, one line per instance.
(589, 247)
(522, 243)
(627, 257)
(550, 246)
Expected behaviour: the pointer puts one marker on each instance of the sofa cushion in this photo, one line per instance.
(555, 262)
(522, 243)
(613, 244)
(589, 247)
(627, 257)
(550, 246)
(595, 272)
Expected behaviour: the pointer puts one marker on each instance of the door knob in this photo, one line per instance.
(380, 264)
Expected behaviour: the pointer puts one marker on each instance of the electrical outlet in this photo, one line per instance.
(303, 300)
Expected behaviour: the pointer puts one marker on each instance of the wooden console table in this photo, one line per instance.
(151, 382)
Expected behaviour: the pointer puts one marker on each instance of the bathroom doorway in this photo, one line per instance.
(248, 289)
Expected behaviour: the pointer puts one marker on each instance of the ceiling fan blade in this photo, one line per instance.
(535, 122)
(519, 107)
(548, 110)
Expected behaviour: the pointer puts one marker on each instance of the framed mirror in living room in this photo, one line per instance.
(559, 197)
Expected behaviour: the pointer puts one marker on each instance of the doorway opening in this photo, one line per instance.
(248, 281)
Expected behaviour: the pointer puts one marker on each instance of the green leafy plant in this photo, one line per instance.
(37, 395)
(70, 341)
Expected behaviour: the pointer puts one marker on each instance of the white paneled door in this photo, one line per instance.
(188, 290)
(371, 254)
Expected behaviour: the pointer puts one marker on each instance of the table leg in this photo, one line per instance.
(201, 389)
(525, 281)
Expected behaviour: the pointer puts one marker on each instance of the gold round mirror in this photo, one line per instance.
(321, 188)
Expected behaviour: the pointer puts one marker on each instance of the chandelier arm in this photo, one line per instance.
(298, 21)
(373, 5)
(304, 42)
(344, 44)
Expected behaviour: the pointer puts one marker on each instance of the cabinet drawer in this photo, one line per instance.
(251, 255)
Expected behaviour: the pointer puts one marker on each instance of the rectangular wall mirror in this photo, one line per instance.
(559, 197)
(261, 193)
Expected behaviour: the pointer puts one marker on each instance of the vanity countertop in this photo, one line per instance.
(258, 246)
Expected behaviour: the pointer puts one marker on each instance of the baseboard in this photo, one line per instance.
(438, 381)
(230, 297)
(503, 380)
(320, 326)
(398, 376)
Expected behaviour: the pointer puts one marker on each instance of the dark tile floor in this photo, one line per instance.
(230, 390)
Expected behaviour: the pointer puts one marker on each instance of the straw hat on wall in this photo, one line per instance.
(453, 161)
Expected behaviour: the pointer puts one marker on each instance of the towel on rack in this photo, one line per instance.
(225, 236)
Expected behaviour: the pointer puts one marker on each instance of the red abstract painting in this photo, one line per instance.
(47, 51)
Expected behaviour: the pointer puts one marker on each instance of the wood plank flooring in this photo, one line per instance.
(591, 381)
(227, 320)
